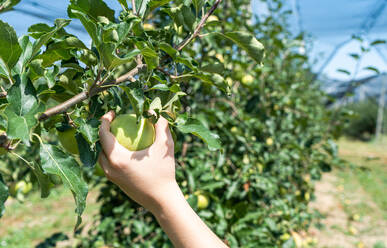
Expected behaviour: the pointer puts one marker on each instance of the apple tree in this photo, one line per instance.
(53, 84)
(275, 131)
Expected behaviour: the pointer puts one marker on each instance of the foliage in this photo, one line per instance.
(269, 137)
(275, 139)
(50, 72)
(362, 124)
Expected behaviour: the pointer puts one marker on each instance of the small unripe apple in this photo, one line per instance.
(132, 135)
(212, 18)
(148, 27)
(247, 79)
(203, 200)
(269, 141)
(20, 186)
(68, 141)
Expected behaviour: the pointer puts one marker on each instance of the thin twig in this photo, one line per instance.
(134, 7)
(62, 107)
(199, 27)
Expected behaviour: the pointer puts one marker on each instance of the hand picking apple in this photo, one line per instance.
(148, 176)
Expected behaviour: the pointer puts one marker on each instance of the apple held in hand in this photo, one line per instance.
(132, 135)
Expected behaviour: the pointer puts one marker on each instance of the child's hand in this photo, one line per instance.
(146, 176)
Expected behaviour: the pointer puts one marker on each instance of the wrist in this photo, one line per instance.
(168, 200)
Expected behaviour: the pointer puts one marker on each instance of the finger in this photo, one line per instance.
(103, 161)
(112, 149)
(106, 119)
(162, 130)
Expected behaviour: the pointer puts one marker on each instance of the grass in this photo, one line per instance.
(368, 173)
(27, 224)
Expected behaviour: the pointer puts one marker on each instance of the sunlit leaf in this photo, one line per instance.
(9, 46)
(55, 161)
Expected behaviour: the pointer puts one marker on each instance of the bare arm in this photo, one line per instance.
(148, 177)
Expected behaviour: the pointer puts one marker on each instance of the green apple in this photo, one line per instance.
(247, 79)
(203, 200)
(21, 186)
(68, 141)
(148, 27)
(212, 18)
(132, 135)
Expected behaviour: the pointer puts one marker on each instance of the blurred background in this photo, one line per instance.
(348, 52)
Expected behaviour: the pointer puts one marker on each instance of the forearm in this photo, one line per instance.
(182, 225)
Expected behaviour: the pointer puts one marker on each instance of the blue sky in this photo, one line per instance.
(329, 22)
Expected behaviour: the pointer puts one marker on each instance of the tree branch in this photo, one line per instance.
(134, 7)
(62, 107)
(199, 27)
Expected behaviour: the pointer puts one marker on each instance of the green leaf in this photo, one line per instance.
(355, 56)
(3, 195)
(93, 8)
(136, 96)
(55, 161)
(50, 75)
(212, 79)
(344, 71)
(188, 61)
(156, 104)
(89, 129)
(88, 153)
(22, 108)
(213, 68)
(378, 42)
(231, 190)
(111, 60)
(247, 42)
(187, 125)
(26, 46)
(92, 29)
(168, 49)
(8, 5)
(43, 179)
(371, 68)
(176, 14)
(141, 7)
(198, 4)
(189, 18)
(68, 43)
(59, 24)
(9, 46)
(124, 3)
(154, 4)
(150, 55)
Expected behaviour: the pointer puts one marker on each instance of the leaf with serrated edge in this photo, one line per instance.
(198, 129)
(55, 161)
(22, 108)
(89, 129)
(43, 179)
(9, 46)
(247, 42)
(59, 23)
